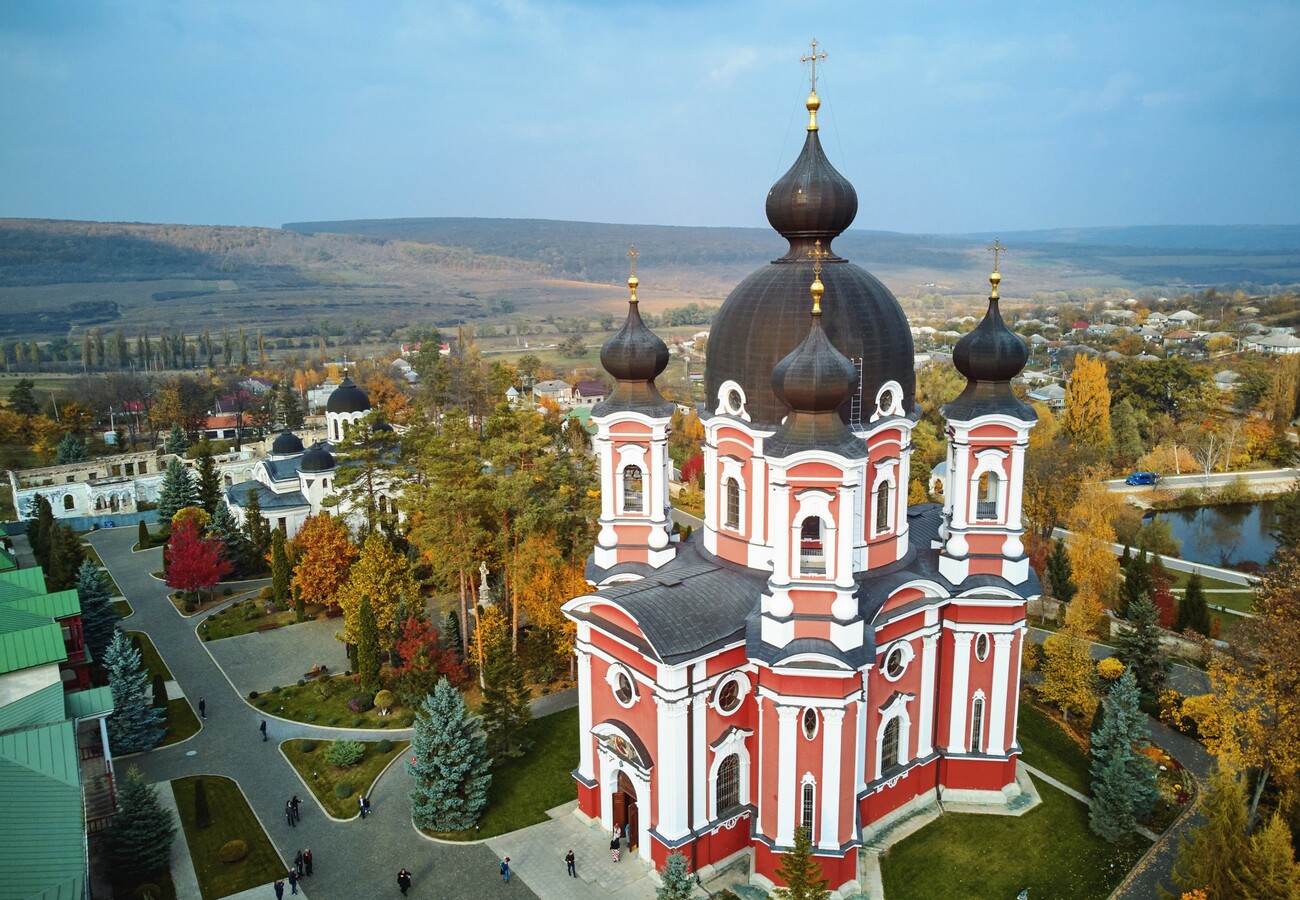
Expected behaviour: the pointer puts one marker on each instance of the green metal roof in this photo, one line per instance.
(42, 707)
(7, 560)
(59, 605)
(32, 579)
(28, 640)
(92, 702)
(40, 784)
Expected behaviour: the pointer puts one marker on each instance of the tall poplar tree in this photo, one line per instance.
(449, 763)
(281, 571)
(1086, 418)
(368, 662)
(257, 535)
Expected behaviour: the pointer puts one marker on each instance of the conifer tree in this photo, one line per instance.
(209, 479)
(225, 529)
(40, 529)
(299, 605)
(160, 693)
(135, 723)
(801, 873)
(1211, 856)
(1137, 582)
(142, 536)
(367, 646)
(257, 535)
(176, 492)
(1193, 613)
(451, 634)
(202, 812)
(71, 449)
(98, 617)
(1060, 574)
(1124, 781)
(140, 840)
(1269, 871)
(176, 441)
(281, 571)
(449, 763)
(505, 709)
(66, 556)
(289, 406)
(1139, 648)
(676, 882)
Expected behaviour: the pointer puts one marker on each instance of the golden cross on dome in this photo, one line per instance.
(817, 254)
(812, 58)
(996, 249)
(632, 280)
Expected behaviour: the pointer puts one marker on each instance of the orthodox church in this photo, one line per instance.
(819, 654)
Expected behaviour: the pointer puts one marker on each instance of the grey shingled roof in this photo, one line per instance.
(269, 499)
(283, 469)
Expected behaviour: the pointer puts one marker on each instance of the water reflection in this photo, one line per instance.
(1224, 535)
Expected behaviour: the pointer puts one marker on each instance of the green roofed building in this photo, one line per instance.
(56, 774)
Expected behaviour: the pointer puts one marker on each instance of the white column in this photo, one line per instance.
(844, 538)
(787, 788)
(712, 484)
(781, 533)
(925, 716)
(832, 749)
(758, 533)
(670, 771)
(585, 768)
(1002, 690)
(1016, 487)
(1015, 665)
(699, 761)
(959, 699)
(860, 750)
(957, 475)
(108, 751)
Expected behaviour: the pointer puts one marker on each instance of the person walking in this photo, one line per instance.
(569, 861)
(361, 805)
(505, 870)
(279, 889)
(262, 728)
(306, 860)
(613, 847)
(288, 814)
(293, 882)
(203, 708)
(294, 803)
(366, 801)
(297, 863)
(403, 881)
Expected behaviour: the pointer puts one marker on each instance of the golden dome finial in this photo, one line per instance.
(995, 279)
(814, 102)
(817, 289)
(632, 280)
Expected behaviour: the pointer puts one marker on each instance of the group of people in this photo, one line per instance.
(302, 864)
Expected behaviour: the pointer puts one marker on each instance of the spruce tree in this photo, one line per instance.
(367, 646)
(1137, 582)
(1139, 648)
(451, 633)
(1212, 856)
(1124, 781)
(676, 881)
(224, 528)
(140, 840)
(142, 536)
(281, 571)
(202, 812)
(449, 763)
(176, 441)
(1269, 871)
(40, 530)
(160, 693)
(299, 605)
(1193, 613)
(135, 724)
(176, 492)
(257, 535)
(98, 617)
(505, 708)
(209, 479)
(1060, 574)
(71, 449)
(289, 407)
(801, 873)
(66, 557)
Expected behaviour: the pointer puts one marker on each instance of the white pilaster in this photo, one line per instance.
(1002, 690)
(699, 761)
(781, 529)
(787, 785)
(959, 700)
(860, 748)
(925, 717)
(585, 767)
(670, 773)
(832, 750)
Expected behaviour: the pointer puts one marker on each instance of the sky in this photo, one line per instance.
(946, 116)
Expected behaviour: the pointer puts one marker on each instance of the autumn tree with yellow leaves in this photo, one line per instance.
(1095, 568)
(1086, 419)
(324, 554)
(383, 575)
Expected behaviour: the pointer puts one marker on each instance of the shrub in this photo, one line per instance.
(266, 593)
(384, 746)
(233, 851)
(321, 679)
(343, 790)
(190, 605)
(361, 702)
(384, 700)
(252, 695)
(1110, 668)
(307, 746)
(302, 682)
(226, 592)
(261, 704)
(345, 753)
(312, 717)
(275, 689)
(333, 720)
(358, 722)
(202, 814)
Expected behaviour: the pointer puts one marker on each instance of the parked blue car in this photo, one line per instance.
(1142, 478)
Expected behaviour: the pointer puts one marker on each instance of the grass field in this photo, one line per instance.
(248, 616)
(321, 778)
(324, 701)
(524, 789)
(150, 657)
(123, 608)
(231, 820)
(1049, 748)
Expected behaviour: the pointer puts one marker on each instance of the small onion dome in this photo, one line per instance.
(347, 398)
(989, 357)
(286, 443)
(635, 357)
(317, 459)
(381, 425)
(812, 201)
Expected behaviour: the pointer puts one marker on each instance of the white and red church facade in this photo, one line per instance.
(818, 654)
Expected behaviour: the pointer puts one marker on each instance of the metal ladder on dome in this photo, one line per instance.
(855, 404)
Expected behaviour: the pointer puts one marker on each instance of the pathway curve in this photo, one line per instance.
(1184, 679)
(352, 859)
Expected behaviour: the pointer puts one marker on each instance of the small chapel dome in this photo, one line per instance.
(317, 459)
(635, 356)
(347, 398)
(989, 357)
(381, 426)
(286, 443)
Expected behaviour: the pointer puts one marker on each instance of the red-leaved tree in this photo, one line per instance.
(194, 563)
(420, 649)
(693, 469)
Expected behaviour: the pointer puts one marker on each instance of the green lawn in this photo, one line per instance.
(231, 820)
(524, 789)
(181, 720)
(1048, 850)
(124, 887)
(1047, 747)
(324, 701)
(123, 608)
(93, 555)
(321, 777)
(149, 656)
(248, 616)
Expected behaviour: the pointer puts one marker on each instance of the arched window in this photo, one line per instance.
(812, 560)
(230, 480)
(977, 726)
(986, 505)
(68, 502)
(728, 792)
(882, 508)
(889, 745)
(733, 504)
(809, 800)
(632, 489)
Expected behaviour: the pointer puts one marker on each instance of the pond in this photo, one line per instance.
(1224, 535)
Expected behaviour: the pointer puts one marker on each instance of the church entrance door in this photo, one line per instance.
(626, 817)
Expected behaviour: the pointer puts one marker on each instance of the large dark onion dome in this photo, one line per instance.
(765, 317)
(813, 381)
(989, 357)
(317, 459)
(634, 356)
(347, 398)
(286, 443)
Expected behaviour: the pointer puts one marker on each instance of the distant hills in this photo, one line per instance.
(57, 277)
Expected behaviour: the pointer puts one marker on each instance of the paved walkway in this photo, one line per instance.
(263, 659)
(352, 859)
(1184, 679)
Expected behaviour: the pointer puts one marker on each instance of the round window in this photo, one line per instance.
(734, 400)
(729, 696)
(895, 662)
(982, 647)
(623, 688)
(886, 402)
(810, 723)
